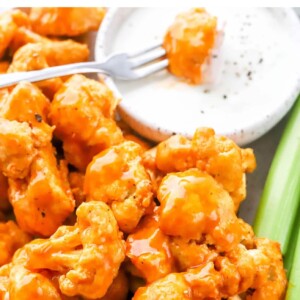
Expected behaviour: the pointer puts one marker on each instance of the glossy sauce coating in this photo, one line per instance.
(217, 155)
(149, 250)
(117, 177)
(65, 21)
(82, 113)
(194, 204)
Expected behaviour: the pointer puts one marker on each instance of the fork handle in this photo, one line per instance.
(51, 72)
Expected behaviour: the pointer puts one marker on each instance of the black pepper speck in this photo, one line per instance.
(38, 118)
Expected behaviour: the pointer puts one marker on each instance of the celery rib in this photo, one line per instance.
(280, 199)
(293, 291)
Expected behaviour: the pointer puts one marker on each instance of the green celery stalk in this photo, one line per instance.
(280, 199)
(289, 257)
(293, 292)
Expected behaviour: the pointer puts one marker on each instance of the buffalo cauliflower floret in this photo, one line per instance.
(193, 204)
(65, 21)
(198, 283)
(36, 56)
(217, 155)
(9, 22)
(86, 256)
(189, 42)
(82, 112)
(270, 279)
(116, 176)
(42, 200)
(26, 103)
(17, 149)
(149, 250)
(11, 238)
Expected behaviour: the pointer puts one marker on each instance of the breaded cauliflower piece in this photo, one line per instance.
(17, 149)
(25, 284)
(25, 36)
(189, 253)
(117, 177)
(189, 42)
(11, 239)
(36, 56)
(26, 103)
(199, 283)
(82, 112)
(237, 269)
(42, 200)
(255, 274)
(194, 204)
(65, 21)
(217, 155)
(149, 249)
(86, 256)
(9, 22)
(270, 280)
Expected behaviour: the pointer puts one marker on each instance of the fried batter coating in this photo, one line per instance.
(11, 239)
(16, 148)
(25, 36)
(54, 53)
(36, 56)
(65, 21)
(26, 284)
(82, 112)
(237, 270)
(26, 103)
(198, 283)
(149, 249)
(42, 200)
(118, 289)
(9, 22)
(4, 203)
(217, 155)
(188, 43)
(194, 204)
(116, 176)
(270, 279)
(189, 253)
(86, 257)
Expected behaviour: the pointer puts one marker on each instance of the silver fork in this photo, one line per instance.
(123, 66)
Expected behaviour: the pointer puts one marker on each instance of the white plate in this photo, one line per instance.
(258, 80)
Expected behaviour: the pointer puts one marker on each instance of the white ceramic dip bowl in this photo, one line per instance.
(258, 75)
